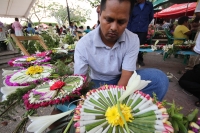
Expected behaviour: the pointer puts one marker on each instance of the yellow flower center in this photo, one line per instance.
(34, 70)
(113, 117)
(30, 59)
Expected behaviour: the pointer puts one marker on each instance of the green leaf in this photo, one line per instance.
(193, 115)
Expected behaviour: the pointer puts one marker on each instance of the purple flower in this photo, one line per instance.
(195, 130)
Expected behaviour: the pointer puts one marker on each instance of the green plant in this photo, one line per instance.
(69, 39)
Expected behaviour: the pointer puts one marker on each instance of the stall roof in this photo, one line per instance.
(177, 10)
(15, 8)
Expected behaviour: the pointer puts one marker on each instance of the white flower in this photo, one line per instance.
(135, 83)
(186, 42)
(7, 72)
(39, 124)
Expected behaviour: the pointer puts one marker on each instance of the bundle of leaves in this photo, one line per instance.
(180, 122)
(51, 40)
(69, 39)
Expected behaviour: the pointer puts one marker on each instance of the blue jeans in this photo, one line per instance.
(159, 83)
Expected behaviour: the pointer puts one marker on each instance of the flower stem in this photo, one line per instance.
(122, 116)
(69, 124)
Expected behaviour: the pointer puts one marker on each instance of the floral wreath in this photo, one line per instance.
(101, 111)
(54, 92)
(29, 60)
(24, 77)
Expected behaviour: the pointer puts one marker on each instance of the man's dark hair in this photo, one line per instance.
(16, 19)
(103, 4)
(88, 27)
(183, 19)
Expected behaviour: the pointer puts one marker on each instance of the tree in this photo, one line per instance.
(77, 14)
(38, 10)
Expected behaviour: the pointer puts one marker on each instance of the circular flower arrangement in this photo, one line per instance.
(101, 112)
(29, 60)
(54, 92)
(25, 76)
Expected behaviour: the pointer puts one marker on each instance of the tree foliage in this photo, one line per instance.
(38, 10)
(77, 13)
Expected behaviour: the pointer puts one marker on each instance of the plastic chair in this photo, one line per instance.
(170, 38)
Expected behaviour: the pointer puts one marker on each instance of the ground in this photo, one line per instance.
(152, 60)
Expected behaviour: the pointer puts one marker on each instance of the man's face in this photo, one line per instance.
(113, 20)
(140, 1)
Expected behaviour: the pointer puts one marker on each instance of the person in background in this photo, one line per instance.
(181, 31)
(40, 28)
(10, 29)
(30, 30)
(165, 24)
(150, 33)
(58, 30)
(79, 32)
(141, 17)
(17, 27)
(64, 29)
(50, 28)
(72, 28)
(194, 27)
(61, 30)
(3, 45)
(172, 28)
(87, 30)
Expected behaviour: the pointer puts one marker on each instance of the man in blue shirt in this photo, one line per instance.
(141, 17)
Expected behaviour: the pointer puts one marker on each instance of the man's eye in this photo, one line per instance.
(109, 20)
(121, 22)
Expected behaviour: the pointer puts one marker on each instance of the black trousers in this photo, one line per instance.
(190, 81)
(142, 37)
(3, 45)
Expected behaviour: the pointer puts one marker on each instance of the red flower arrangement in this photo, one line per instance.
(57, 85)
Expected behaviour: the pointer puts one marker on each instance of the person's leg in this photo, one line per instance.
(159, 82)
(142, 37)
(98, 83)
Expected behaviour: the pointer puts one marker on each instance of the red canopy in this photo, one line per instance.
(177, 10)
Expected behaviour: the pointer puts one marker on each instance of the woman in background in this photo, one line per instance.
(17, 27)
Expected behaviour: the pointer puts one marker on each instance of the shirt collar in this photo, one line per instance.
(98, 41)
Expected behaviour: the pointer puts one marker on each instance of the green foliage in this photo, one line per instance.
(21, 127)
(77, 13)
(47, 23)
(180, 122)
(8, 107)
(61, 68)
(69, 39)
(52, 41)
(94, 3)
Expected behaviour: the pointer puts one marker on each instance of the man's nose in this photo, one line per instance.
(114, 26)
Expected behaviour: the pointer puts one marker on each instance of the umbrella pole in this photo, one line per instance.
(187, 8)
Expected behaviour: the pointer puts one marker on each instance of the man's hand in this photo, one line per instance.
(125, 76)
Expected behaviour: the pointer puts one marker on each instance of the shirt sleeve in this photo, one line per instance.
(197, 46)
(129, 22)
(151, 14)
(130, 58)
(80, 61)
(185, 30)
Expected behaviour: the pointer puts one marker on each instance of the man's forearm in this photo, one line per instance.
(125, 76)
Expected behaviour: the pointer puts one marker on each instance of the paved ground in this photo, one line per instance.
(152, 60)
